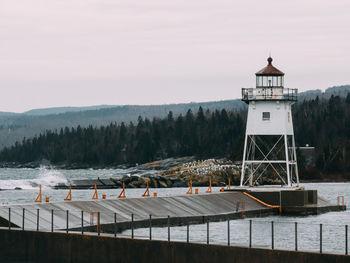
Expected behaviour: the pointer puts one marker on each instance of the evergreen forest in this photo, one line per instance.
(322, 123)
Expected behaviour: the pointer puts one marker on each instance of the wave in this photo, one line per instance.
(47, 178)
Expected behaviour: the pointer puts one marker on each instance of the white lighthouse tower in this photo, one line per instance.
(269, 155)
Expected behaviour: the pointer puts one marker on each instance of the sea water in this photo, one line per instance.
(22, 186)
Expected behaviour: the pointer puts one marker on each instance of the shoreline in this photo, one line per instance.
(166, 166)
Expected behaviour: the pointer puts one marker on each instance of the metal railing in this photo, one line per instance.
(253, 94)
(297, 236)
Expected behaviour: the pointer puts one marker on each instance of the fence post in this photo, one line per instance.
(228, 232)
(250, 233)
(67, 212)
(23, 216)
(51, 220)
(9, 218)
(296, 236)
(115, 225)
(98, 223)
(150, 227)
(272, 236)
(82, 222)
(168, 228)
(188, 232)
(346, 239)
(132, 225)
(320, 238)
(207, 230)
(37, 219)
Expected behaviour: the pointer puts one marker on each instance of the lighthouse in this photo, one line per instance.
(269, 155)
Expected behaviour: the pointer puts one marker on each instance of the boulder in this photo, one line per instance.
(162, 184)
(179, 183)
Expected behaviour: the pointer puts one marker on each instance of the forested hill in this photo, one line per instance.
(14, 126)
(324, 124)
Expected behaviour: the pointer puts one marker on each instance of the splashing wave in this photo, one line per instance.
(46, 177)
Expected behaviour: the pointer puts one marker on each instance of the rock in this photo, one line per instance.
(131, 185)
(117, 182)
(134, 178)
(153, 183)
(169, 183)
(128, 179)
(18, 188)
(140, 182)
(162, 184)
(179, 183)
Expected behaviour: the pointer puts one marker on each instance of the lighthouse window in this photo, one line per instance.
(266, 116)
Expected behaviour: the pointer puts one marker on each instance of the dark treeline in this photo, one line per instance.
(204, 134)
(324, 124)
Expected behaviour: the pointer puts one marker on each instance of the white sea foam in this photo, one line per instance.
(47, 178)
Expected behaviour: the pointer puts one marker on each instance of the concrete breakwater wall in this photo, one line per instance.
(29, 246)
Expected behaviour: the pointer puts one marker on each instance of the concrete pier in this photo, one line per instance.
(182, 209)
(135, 212)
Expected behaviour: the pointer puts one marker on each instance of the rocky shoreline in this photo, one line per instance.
(170, 173)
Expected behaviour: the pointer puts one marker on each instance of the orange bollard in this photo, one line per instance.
(146, 193)
(47, 199)
(229, 184)
(69, 196)
(209, 188)
(103, 196)
(38, 199)
(222, 189)
(196, 191)
(95, 196)
(189, 192)
(155, 194)
(122, 194)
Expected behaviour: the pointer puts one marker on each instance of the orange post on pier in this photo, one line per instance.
(189, 192)
(122, 194)
(95, 196)
(69, 196)
(39, 199)
(209, 188)
(146, 193)
(229, 184)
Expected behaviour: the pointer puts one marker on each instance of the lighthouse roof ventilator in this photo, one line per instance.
(269, 155)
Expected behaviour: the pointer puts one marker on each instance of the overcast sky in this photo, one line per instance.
(91, 52)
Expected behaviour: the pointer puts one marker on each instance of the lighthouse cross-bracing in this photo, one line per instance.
(269, 155)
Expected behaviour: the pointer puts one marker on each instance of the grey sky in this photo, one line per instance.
(87, 52)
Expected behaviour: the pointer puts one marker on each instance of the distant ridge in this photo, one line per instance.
(58, 110)
(15, 126)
